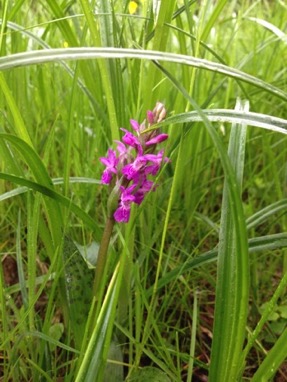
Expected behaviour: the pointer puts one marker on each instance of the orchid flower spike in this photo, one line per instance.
(128, 169)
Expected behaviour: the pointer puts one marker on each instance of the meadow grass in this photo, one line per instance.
(194, 286)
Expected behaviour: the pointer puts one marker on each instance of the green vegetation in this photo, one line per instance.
(195, 283)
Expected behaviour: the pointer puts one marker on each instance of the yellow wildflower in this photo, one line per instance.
(133, 7)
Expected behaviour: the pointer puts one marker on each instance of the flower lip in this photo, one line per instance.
(130, 140)
(122, 215)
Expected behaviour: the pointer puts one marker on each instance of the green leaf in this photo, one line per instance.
(56, 331)
(114, 370)
(89, 253)
(283, 311)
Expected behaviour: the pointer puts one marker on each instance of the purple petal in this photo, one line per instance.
(150, 117)
(131, 170)
(146, 186)
(127, 199)
(122, 215)
(157, 139)
(106, 177)
(130, 139)
(155, 158)
(135, 125)
(121, 148)
(111, 159)
(152, 169)
(105, 161)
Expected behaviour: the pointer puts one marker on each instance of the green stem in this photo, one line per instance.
(102, 255)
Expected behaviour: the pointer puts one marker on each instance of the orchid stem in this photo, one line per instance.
(103, 255)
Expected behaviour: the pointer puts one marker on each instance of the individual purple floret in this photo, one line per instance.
(111, 162)
(127, 172)
(122, 213)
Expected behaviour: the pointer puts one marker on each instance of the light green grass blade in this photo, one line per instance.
(92, 365)
(109, 34)
(54, 55)
(232, 285)
(269, 308)
(271, 27)
(193, 338)
(51, 340)
(20, 267)
(107, 85)
(31, 157)
(263, 121)
(66, 202)
(19, 125)
(258, 244)
(33, 217)
(217, 11)
(67, 31)
(33, 37)
(22, 190)
(161, 33)
(276, 356)
(5, 322)
(40, 173)
(4, 21)
(264, 213)
(70, 133)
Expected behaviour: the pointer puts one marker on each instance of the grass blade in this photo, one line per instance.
(53, 195)
(19, 126)
(54, 55)
(258, 244)
(87, 9)
(40, 173)
(264, 318)
(232, 279)
(263, 121)
(92, 365)
(273, 360)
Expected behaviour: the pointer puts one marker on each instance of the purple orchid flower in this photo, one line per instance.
(122, 213)
(111, 166)
(131, 170)
(130, 140)
(146, 186)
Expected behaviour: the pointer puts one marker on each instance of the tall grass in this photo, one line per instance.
(194, 285)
